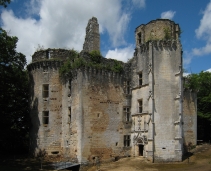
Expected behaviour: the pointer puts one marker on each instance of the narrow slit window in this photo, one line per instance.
(128, 87)
(45, 90)
(127, 140)
(126, 111)
(140, 106)
(48, 54)
(139, 38)
(70, 87)
(45, 118)
(69, 115)
(140, 78)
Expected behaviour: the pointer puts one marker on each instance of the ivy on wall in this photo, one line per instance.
(76, 60)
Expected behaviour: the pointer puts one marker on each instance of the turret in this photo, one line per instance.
(161, 29)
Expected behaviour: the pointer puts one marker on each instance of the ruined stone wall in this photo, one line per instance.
(103, 126)
(45, 108)
(190, 118)
(50, 54)
(92, 39)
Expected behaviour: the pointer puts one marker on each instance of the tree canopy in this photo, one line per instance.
(13, 95)
(4, 2)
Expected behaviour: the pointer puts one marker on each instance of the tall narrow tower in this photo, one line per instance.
(157, 97)
(92, 39)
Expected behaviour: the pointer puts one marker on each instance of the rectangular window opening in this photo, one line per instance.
(127, 140)
(140, 106)
(45, 118)
(126, 111)
(45, 90)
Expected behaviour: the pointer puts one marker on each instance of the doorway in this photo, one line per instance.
(141, 150)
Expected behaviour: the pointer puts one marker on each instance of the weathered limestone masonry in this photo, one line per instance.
(97, 114)
(157, 100)
(190, 118)
(46, 101)
(92, 39)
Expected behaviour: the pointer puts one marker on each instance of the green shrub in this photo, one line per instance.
(95, 56)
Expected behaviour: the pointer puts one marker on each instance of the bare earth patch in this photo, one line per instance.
(200, 160)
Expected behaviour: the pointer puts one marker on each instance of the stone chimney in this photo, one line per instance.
(92, 39)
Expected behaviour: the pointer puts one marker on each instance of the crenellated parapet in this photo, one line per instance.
(160, 44)
(45, 64)
(160, 29)
(91, 72)
(60, 54)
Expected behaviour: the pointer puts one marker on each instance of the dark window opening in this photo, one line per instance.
(45, 69)
(127, 87)
(69, 115)
(127, 140)
(45, 90)
(48, 55)
(140, 78)
(126, 111)
(139, 38)
(70, 87)
(140, 106)
(45, 118)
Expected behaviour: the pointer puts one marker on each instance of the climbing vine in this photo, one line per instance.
(94, 60)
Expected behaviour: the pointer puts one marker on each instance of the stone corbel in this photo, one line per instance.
(150, 95)
(178, 96)
(150, 68)
(180, 71)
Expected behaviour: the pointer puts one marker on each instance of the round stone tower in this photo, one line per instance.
(46, 100)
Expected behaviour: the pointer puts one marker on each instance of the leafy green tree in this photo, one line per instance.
(4, 2)
(13, 96)
(202, 84)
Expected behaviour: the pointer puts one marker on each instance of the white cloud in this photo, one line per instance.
(204, 31)
(139, 3)
(121, 54)
(62, 23)
(205, 23)
(187, 58)
(203, 50)
(209, 70)
(168, 14)
(185, 74)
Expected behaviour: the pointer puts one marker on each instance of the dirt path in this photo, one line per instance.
(199, 161)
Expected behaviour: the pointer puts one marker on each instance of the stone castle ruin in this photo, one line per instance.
(141, 110)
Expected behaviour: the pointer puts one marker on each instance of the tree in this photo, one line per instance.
(202, 84)
(13, 95)
(4, 2)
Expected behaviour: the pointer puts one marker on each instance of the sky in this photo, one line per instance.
(62, 23)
